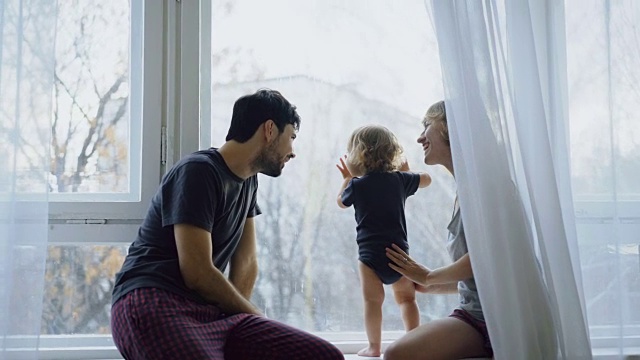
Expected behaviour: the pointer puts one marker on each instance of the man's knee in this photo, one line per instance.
(334, 353)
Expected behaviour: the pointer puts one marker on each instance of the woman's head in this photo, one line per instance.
(373, 148)
(435, 137)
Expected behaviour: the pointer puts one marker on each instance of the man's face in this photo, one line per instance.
(275, 154)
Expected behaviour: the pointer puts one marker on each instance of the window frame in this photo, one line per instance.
(99, 217)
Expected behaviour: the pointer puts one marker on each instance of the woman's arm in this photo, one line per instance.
(459, 270)
(450, 288)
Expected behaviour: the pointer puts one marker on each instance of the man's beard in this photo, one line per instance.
(268, 161)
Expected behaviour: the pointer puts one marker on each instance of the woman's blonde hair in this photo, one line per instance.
(437, 112)
(374, 148)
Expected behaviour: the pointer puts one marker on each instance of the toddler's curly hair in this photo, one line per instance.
(374, 148)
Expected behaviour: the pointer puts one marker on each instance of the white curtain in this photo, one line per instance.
(505, 79)
(27, 33)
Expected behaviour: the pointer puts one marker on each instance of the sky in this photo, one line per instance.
(389, 53)
(382, 50)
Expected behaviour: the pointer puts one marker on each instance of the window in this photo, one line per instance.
(106, 123)
(343, 64)
(105, 155)
(603, 73)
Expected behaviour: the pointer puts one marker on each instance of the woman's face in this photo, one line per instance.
(436, 150)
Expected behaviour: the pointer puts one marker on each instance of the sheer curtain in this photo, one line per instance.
(505, 82)
(27, 31)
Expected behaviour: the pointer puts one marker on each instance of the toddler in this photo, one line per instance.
(377, 191)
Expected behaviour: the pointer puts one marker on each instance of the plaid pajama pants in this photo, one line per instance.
(150, 323)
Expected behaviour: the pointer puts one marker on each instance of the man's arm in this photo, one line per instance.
(244, 263)
(195, 251)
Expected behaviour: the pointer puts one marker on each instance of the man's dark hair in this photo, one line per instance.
(250, 111)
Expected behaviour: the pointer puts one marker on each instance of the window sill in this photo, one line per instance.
(101, 347)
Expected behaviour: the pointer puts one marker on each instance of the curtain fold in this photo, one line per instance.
(506, 94)
(27, 33)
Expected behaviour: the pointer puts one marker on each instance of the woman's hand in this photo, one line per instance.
(346, 174)
(405, 265)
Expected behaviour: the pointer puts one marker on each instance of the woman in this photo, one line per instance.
(464, 333)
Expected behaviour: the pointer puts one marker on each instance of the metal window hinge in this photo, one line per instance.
(163, 146)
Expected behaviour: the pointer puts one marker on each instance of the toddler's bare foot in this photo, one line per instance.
(370, 351)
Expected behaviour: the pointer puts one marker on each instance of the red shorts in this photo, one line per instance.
(479, 325)
(150, 323)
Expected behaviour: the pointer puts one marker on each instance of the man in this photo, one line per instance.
(171, 299)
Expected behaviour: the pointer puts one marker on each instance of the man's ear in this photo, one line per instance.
(270, 130)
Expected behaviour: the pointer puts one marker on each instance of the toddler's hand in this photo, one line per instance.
(404, 166)
(342, 166)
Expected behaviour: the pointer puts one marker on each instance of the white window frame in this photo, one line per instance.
(97, 217)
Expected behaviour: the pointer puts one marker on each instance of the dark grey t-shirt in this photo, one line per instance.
(457, 247)
(199, 190)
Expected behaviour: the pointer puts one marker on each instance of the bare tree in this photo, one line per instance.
(89, 151)
(91, 97)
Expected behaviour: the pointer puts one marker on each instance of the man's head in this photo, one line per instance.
(273, 122)
(251, 111)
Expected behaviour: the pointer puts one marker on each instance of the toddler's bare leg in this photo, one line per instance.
(405, 294)
(373, 294)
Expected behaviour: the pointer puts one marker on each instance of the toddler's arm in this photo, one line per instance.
(425, 179)
(346, 175)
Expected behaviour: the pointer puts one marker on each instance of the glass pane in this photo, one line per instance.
(78, 285)
(91, 139)
(343, 64)
(603, 53)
